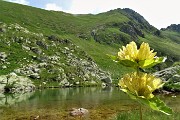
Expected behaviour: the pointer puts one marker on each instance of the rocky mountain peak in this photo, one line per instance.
(173, 27)
(138, 18)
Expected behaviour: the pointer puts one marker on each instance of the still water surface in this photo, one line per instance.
(55, 104)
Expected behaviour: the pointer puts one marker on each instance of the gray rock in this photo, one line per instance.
(176, 78)
(4, 67)
(41, 44)
(106, 80)
(77, 83)
(36, 50)
(171, 76)
(3, 56)
(64, 83)
(168, 73)
(93, 82)
(25, 47)
(34, 75)
(2, 29)
(67, 48)
(79, 112)
(42, 65)
(17, 83)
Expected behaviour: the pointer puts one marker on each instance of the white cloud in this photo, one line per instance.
(24, 2)
(53, 6)
(92, 6)
(160, 13)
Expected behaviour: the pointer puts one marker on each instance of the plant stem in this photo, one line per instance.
(137, 70)
(140, 110)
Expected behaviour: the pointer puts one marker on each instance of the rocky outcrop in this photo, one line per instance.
(131, 29)
(168, 73)
(173, 27)
(15, 84)
(141, 22)
(171, 77)
(47, 58)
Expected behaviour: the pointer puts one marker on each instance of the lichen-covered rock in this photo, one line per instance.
(15, 84)
(171, 76)
(64, 83)
(106, 80)
(36, 50)
(3, 56)
(168, 73)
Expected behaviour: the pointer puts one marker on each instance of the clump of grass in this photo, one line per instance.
(147, 115)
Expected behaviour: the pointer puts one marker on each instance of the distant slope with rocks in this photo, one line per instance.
(46, 59)
(173, 27)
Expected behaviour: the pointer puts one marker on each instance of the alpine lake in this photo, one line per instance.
(56, 104)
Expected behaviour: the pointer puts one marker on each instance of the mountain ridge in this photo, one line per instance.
(172, 27)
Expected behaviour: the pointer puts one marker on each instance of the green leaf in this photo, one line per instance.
(151, 63)
(159, 105)
(115, 58)
(128, 63)
(132, 96)
(146, 63)
(154, 103)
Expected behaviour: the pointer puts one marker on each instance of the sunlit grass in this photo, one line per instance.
(147, 115)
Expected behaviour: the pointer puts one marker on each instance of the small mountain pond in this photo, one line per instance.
(55, 104)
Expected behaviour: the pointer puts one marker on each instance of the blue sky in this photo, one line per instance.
(159, 13)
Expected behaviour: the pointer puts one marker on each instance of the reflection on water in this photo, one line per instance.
(10, 99)
(172, 100)
(80, 97)
(56, 103)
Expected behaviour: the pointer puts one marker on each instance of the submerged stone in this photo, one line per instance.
(79, 112)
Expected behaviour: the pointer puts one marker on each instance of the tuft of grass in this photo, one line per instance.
(147, 115)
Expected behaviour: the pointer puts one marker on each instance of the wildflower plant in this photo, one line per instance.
(139, 85)
(143, 57)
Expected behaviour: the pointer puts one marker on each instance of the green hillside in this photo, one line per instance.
(95, 35)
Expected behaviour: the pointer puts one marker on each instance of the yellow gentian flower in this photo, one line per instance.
(140, 84)
(144, 52)
(130, 52)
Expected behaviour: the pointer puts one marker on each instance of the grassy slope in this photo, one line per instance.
(70, 26)
(172, 35)
(165, 46)
(67, 26)
(52, 21)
